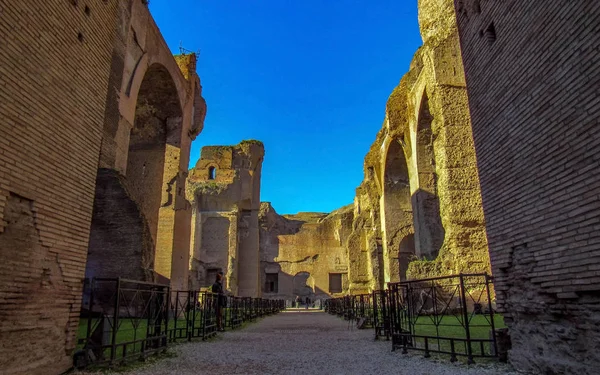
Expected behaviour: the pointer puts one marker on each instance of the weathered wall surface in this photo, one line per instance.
(224, 188)
(54, 74)
(418, 212)
(365, 244)
(154, 109)
(533, 72)
(303, 250)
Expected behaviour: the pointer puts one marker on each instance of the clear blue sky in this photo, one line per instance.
(309, 78)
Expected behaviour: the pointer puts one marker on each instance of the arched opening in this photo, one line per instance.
(127, 220)
(429, 232)
(301, 287)
(406, 254)
(212, 173)
(397, 207)
(156, 129)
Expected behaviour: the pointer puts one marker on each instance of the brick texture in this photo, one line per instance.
(533, 78)
(53, 88)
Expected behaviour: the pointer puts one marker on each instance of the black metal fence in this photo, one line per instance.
(450, 315)
(359, 307)
(381, 314)
(122, 320)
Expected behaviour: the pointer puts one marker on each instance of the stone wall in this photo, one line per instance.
(154, 110)
(418, 212)
(56, 63)
(533, 72)
(303, 250)
(224, 189)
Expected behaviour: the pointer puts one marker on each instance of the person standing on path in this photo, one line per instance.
(220, 303)
(297, 302)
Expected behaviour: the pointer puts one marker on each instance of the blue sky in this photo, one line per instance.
(309, 78)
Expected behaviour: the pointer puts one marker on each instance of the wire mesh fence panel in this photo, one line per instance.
(233, 317)
(123, 320)
(211, 312)
(363, 310)
(452, 315)
(381, 314)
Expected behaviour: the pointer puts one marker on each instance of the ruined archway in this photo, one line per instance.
(301, 287)
(406, 254)
(128, 219)
(397, 207)
(429, 232)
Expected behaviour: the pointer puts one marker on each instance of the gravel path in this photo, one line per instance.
(303, 342)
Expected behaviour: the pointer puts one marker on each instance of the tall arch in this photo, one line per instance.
(397, 208)
(129, 224)
(429, 232)
(154, 143)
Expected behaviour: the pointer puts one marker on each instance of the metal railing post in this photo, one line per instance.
(113, 342)
(466, 319)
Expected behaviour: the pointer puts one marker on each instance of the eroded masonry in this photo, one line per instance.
(418, 212)
(224, 189)
(533, 72)
(98, 119)
(97, 128)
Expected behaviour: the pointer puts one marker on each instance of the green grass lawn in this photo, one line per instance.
(452, 327)
(134, 331)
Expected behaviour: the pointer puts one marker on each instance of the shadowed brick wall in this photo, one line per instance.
(55, 63)
(533, 79)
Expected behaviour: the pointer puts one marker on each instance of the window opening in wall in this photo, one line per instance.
(335, 283)
(212, 173)
(272, 283)
(490, 34)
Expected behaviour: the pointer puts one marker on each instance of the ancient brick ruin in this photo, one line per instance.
(418, 211)
(98, 119)
(224, 189)
(304, 254)
(533, 73)
(154, 111)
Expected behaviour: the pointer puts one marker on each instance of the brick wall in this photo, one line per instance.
(120, 243)
(55, 62)
(533, 73)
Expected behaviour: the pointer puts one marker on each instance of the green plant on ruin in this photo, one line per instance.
(209, 188)
(252, 142)
(423, 268)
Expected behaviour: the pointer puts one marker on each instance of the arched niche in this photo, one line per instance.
(397, 207)
(429, 232)
(406, 254)
(126, 220)
(301, 286)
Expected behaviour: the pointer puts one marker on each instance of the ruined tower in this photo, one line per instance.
(224, 189)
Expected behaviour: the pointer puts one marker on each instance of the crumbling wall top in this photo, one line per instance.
(437, 20)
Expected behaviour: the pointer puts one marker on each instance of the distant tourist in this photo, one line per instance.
(307, 302)
(297, 301)
(221, 300)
